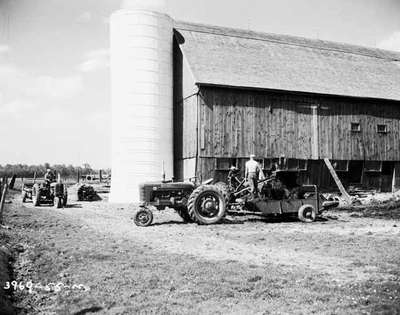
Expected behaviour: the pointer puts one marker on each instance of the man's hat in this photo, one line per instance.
(252, 156)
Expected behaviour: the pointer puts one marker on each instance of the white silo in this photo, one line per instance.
(142, 100)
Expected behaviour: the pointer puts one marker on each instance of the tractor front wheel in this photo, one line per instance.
(206, 205)
(144, 217)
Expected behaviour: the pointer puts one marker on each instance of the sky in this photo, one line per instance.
(54, 62)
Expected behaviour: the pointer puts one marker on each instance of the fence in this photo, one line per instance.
(3, 193)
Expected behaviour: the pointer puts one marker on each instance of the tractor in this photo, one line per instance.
(27, 190)
(209, 202)
(42, 192)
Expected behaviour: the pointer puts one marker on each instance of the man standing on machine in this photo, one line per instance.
(252, 173)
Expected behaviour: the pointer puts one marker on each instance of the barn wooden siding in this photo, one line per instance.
(236, 123)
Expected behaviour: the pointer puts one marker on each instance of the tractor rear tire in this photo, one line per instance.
(58, 202)
(206, 205)
(144, 217)
(36, 196)
(307, 213)
(184, 214)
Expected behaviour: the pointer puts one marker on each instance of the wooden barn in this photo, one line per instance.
(289, 100)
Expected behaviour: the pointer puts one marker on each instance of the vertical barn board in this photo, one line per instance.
(389, 121)
(242, 136)
(234, 130)
(279, 129)
(269, 123)
(272, 129)
(303, 130)
(341, 124)
(314, 132)
(259, 125)
(252, 148)
(323, 132)
(288, 126)
(368, 149)
(217, 126)
(248, 118)
(351, 149)
(206, 168)
(294, 152)
(211, 120)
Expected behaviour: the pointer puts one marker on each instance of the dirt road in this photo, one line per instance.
(342, 264)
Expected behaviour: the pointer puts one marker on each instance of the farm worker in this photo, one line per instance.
(252, 173)
(49, 177)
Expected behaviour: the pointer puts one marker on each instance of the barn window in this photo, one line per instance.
(270, 164)
(340, 165)
(355, 127)
(285, 164)
(224, 164)
(303, 165)
(373, 166)
(382, 128)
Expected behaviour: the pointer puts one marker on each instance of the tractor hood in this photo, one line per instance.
(171, 185)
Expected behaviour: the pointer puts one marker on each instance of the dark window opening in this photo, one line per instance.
(284, 164)
(355, 127)
(224, 164)
(387, 168)
(355, 172)
(382, 128)
(373, 166)
(340, 165)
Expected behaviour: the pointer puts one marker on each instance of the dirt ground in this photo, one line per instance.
(345, 263)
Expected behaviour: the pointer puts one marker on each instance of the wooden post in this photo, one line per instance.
(100, 176)
(3, 197)
(315, 135)
(337, 181)
(396, 178)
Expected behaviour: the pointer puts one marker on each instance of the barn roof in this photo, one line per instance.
(240, 58)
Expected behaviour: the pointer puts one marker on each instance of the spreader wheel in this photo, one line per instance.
(144, 217)
(307, 213)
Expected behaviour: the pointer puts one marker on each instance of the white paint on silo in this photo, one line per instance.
(142, 100)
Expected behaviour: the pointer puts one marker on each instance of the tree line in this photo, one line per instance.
(28, 171)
